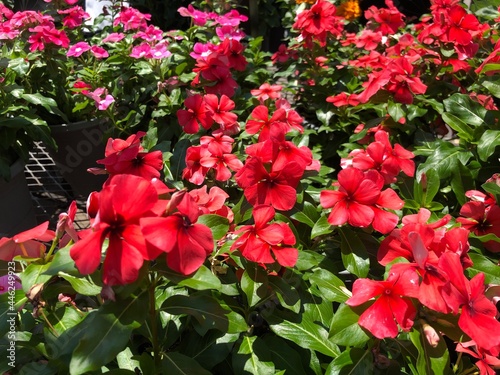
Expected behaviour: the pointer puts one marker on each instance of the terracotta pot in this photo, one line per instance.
(80, 145)
(16, 205)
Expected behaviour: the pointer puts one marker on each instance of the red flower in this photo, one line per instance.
(482, 219)
(127, 157)
(487, 361)
(195, 115)
(276, 188)
(267, 91)
(186, 243)
(194, 171)
(220, 111)
(27, 244)
(390, 307)
(358, 199)
(124, 201)
(259, 242)
(477, 318)
(460, 25)
(233, 50)
(260, 122)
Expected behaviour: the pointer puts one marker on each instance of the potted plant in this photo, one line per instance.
(20, 127)
(85, 76)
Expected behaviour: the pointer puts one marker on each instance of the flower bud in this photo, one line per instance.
(431, 335)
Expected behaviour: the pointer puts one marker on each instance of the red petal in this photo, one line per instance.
(359, 215)
(122, 262)
(403, 310)
(339, 214)
(350, 178)
(87, 252)
(363, 290)
(286, 256)
(384, 221)
(262, 215)
(378, 319)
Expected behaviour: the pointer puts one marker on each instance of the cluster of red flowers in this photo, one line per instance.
(437, 258)
(360, 200)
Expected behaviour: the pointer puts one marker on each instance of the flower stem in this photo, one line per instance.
(154, 328)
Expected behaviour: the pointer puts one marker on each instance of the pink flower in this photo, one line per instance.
(78, 49)
(99, 52)
(113, 38)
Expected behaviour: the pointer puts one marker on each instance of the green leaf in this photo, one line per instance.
(487, 144)
(461, 181)
(466, 109)
(306, 332)
(178, 364)
(331, 287)
(463, 130)
(177, 161)
(219, 225)
(493, 83)
(81, 285)
(430, 360)
(254, 283)
(209, 314)
(345, 330)
(284, 357)
(34, 274)
(9, 308)
(482, 264)
(321, 227)
(354, 255)
(396, 111)
(443, 159)
(62, 262)
(288, 296)
(202, 279)
(125, 360)
(352, 361)
(253, 357)
(108, 334)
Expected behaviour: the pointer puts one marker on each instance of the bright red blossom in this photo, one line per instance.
(122, 203)
(392, 306)
(264, 242)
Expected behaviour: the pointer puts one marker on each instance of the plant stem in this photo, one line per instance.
(154, 328)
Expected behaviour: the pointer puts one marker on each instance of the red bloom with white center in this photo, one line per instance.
(195, 115)
(28, 244)
(276, 188)
(392, 307)
(186, 243)
(122, 203)
(264, 242)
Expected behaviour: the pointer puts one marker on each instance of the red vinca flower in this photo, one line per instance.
(359, 199)
(264, 242)
(186, 243)
(124, 201)
(276, 188)
(195, 115)
(27, 244)
(392, 305)
(127, 157)
(478, 313)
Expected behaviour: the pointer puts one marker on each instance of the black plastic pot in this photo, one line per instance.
(80, 145)
(17, 212)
